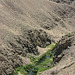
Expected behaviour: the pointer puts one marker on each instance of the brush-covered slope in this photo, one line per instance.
(26, 24)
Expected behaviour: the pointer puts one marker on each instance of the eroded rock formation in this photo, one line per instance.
(64, 57)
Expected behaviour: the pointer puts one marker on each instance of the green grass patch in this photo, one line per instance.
(44, 65)
(68, 34)
(50, 46)
(42, 61)
(23, 69)
(39, 64)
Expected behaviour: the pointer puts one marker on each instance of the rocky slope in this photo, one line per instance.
(26, 24)
(64, 1)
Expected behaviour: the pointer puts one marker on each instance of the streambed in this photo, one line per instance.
(32, 70)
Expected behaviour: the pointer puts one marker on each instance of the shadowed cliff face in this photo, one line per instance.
(62, 45)
(64, 1)
(26, 24)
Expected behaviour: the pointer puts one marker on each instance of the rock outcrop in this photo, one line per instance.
(64, 1)
(63, 44)
(64, 57)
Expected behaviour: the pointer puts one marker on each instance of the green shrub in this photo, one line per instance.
(21, 70)
(32, 59)
(35, 70)
(28, 67)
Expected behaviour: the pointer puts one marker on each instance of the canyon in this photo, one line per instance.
(26, 25)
